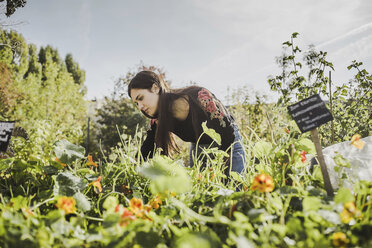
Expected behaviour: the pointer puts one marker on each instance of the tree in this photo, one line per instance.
(37, 86)
(13, 5)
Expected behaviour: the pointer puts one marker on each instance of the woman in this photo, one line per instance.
(182, 112)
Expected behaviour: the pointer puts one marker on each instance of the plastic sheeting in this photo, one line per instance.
(353, 165)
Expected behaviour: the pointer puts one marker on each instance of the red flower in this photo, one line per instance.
(204, 94)
(211, 107)
(303, 157)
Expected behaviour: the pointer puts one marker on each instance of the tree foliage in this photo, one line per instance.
(13, 5)
(36, 85)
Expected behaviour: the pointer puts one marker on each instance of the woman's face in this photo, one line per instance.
(146, 100)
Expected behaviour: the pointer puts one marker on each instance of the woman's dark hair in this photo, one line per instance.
(164, 137)
(145, 80)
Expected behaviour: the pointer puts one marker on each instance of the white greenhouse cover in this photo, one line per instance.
(360, 163)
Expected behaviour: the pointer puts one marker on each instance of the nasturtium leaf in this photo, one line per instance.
(6, 163)
(344, 195)
(307, 145)
(67, 184)
(19, 165)
(50, 170)
(18, 202)
(166, 176)
(341, 161)
(330, 216)
(200, 240)
(311, 203)
(293, 225)
(255, 213)
(110, 203)
(82, 202)
(285, 190)
(67, 152)
(211, 133)
(262, 148)
(111, 220)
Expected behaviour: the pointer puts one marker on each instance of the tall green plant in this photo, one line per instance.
(351, 101)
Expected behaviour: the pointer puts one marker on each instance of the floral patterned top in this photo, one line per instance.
(203, 106)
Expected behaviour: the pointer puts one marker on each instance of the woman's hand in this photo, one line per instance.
(154, 121)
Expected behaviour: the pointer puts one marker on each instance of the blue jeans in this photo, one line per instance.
(237, 155)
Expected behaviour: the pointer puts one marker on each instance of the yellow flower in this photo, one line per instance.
(135, 203)
(155, 202)
(357, 142)
(339, 239)
(136, 206)
(263, 183)
(67, 204)
(349, 212)
(97, 184)
(59, 161)
(90, 161)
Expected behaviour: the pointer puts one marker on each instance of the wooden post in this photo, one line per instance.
(87, 140)
(323, 166)
(331, 108)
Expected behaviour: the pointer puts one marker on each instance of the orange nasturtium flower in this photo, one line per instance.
(97, 184)
(263, 183)
(90, 161)
(67, 204)
(155, 202)
(357, 142)
(350, 212)
(339, 239)
(59, 161)
(126, 217)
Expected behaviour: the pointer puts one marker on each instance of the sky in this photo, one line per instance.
(217, 44)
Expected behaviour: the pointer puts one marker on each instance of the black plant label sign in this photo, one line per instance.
(6, 129)
(310, 113)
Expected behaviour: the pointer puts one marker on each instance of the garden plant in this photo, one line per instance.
(54, 194)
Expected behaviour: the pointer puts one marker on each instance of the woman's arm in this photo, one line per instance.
(148, 145)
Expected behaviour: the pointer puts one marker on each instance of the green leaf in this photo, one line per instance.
(311, 203)
(166, 175)
(67, 184)
(307, 145)
(344, 195)
(341, 161)
(67, 152)
(262, 148)
(18, 202)
(294, 35)
(200, 240)
(82, 202)
(211, 133)
(110, 203)
(285, 190)
(6, 163)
